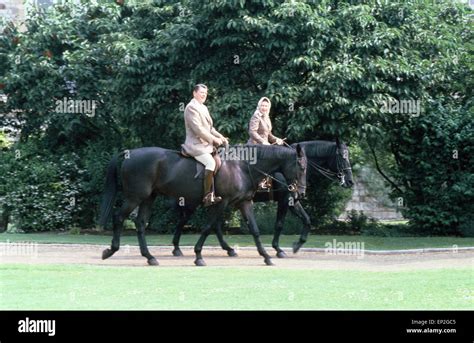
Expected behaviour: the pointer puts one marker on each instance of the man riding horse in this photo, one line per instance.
(201, 137)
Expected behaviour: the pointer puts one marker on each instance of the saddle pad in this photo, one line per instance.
(200, 167)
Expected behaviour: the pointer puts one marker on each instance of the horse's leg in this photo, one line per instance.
(299, 211)
(183, 219)
(230, 251)
(247, 212)
(144, 213)
(198, 247)
(281, 214)
(215, 213)
(118, 219)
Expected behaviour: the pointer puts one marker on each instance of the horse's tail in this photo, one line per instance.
(110, 191)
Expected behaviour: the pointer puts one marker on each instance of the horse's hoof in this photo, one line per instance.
(232, 253)
(200, 262)
(177, 252)
(281, 254)
(296, 247)
(153, 262)
(269, 262)
(107, 253)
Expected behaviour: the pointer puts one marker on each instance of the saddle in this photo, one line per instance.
(200, 167)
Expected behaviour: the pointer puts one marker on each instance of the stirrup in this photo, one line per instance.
(263, 186)
(211, 199)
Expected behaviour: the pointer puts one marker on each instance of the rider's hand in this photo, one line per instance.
(225, 140)
(279, 141)
(218, 141)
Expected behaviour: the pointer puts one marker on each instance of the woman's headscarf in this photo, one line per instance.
(262, 100)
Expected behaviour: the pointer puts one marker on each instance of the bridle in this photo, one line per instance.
(334, 176)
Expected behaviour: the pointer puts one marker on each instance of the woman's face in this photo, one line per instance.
(264, 107)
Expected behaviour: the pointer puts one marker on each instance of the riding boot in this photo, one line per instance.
(209, 198)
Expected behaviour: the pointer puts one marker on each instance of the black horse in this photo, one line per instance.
(328, 158)
(148, 172)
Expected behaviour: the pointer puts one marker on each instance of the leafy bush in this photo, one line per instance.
(266, 214)
(41, 192)
(359, 224)
(325, 200)
(466, 228)
(436, 160)
(164, 218)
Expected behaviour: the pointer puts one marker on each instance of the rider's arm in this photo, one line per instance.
(253, 129)
(216, 133)
(271, 138)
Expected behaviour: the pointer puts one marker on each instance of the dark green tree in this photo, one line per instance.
(330, 68)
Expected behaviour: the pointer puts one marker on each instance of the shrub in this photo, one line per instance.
(41, 192)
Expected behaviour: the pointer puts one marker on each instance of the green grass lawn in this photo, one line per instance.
(314, 241)
(60, 287)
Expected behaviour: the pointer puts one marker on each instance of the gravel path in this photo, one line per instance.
(248, 257)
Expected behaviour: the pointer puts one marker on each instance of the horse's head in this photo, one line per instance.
(343, 165)
(296, 170)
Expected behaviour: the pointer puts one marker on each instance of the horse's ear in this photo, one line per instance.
(299, 151)
(338, 143)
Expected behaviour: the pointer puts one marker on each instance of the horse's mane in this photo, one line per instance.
(315, 149)
(265, 152)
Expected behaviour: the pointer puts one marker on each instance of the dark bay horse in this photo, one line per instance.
(330, 159)
(146, 173)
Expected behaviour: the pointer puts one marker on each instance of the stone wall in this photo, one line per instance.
(362, 201)
(12, 9)
(370, 195)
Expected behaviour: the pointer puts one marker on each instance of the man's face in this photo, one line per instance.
(200, 95)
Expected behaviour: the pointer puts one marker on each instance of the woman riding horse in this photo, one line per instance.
(260, 131)
(260, 126)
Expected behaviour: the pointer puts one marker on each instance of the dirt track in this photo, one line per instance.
(248, 257)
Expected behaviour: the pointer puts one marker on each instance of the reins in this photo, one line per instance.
(338, 176)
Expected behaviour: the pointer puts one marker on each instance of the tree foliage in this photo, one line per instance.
(329, 67)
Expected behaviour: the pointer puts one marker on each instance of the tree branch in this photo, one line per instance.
(396, 155)
(381, 172)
